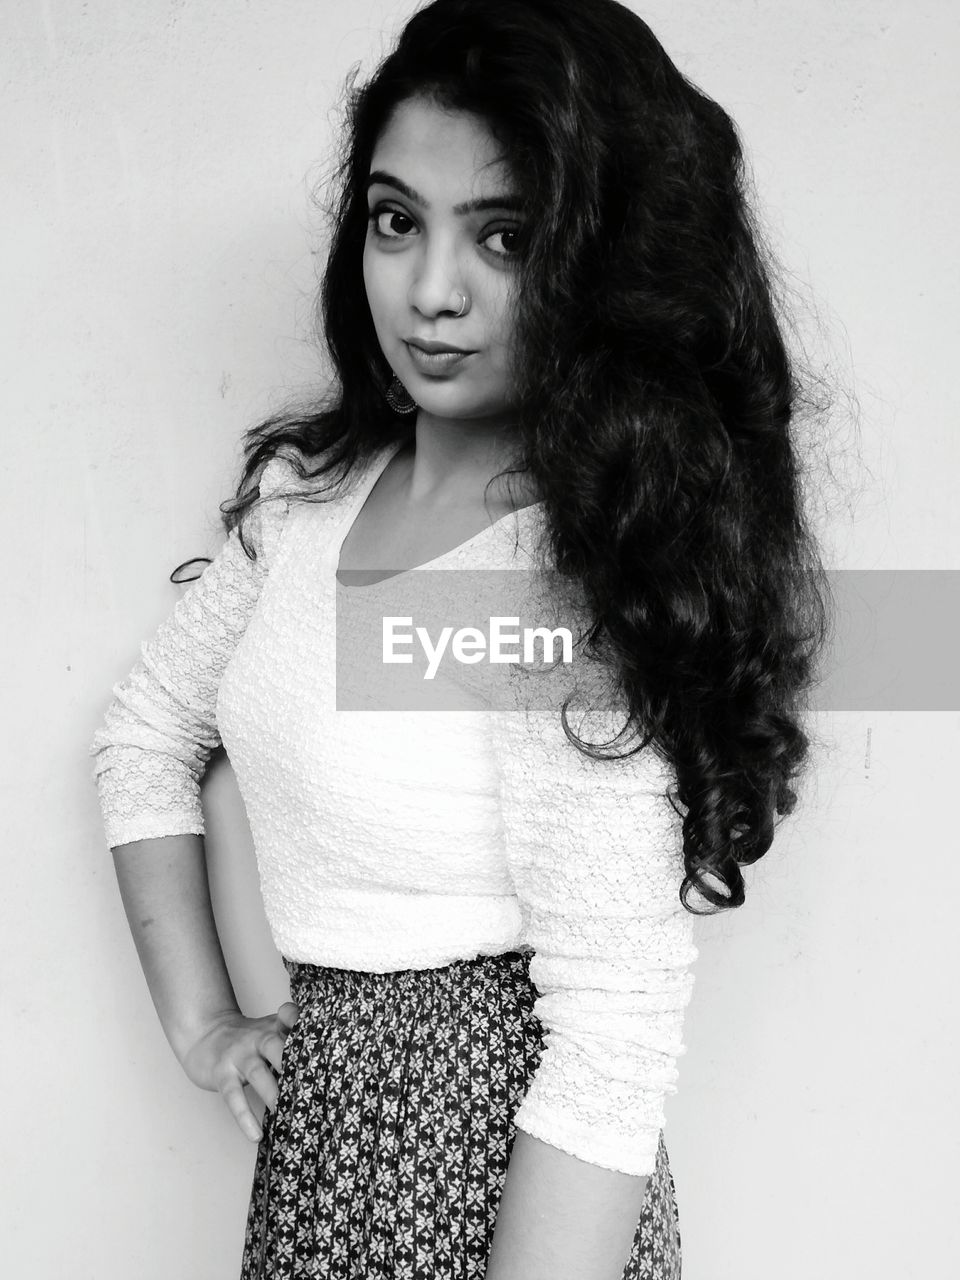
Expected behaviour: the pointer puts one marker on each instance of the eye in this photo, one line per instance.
(510, 241)
(389, 223)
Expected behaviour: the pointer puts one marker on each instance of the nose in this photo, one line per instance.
(435, 287)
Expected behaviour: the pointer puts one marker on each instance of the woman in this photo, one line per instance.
(556, 346)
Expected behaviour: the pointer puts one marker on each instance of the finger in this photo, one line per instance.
(239, 1108)
(260, 1077)
(271, 1047)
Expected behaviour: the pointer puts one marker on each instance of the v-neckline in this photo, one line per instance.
(354, 503)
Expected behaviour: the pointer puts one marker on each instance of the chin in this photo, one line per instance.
(449, 403)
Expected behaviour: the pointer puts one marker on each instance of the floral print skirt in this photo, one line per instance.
(387, 1152)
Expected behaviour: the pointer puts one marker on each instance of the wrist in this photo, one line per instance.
(184, 1033)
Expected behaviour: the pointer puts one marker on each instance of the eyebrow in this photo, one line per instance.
(505, 201)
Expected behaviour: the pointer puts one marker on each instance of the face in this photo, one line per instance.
(444, 222)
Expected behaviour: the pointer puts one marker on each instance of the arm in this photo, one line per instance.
(166, 895)
(163, 884)
(595, 851)
(562, 1218)
(151, 752)
(160, 728)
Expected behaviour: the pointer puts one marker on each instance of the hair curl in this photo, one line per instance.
(656, 392)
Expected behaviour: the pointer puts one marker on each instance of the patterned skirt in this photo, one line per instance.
(386, 1155)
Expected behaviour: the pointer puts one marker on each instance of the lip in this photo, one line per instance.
(436, 348)
(438, 359)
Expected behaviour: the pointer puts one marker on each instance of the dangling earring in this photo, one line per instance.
(398, 398)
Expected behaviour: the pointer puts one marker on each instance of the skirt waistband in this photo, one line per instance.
(306, 978)
(310, 974)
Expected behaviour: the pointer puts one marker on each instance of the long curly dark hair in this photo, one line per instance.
(657, 397)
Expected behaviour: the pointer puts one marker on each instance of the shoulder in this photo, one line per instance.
(278, 484)
(291, 473)
(291, 477)
(280, 476)
(285, 477)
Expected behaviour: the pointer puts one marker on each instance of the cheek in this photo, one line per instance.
(371, 282)
(380, 284)
(502, 318)
(385, 279)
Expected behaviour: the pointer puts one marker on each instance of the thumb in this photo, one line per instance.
(288, 1013)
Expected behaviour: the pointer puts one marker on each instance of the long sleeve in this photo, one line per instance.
(160, 729)
(595, 853)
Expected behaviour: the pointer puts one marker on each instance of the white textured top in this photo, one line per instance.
(395, 840)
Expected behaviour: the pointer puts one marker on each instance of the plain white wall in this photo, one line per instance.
(158, 256)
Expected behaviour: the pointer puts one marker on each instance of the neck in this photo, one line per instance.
(452, 460)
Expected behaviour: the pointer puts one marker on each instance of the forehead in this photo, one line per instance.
(449, 156)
